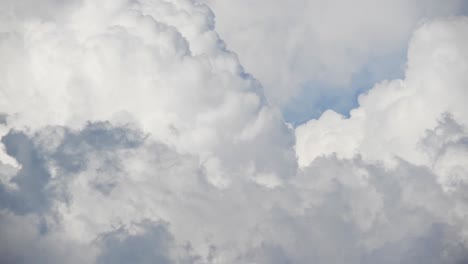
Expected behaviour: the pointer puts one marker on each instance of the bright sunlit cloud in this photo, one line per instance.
(144, 132)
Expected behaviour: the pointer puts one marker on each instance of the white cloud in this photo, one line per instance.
(287, 44)
(393, 116)
(156, 63)
(112, 191)
(130, 134)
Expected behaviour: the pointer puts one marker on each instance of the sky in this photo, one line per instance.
(247, 131)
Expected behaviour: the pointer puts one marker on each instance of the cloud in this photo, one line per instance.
(152, 245)
(325, 50)
(30, 180)
(22, 241)
(393, 116)
(131, 134)
(161, 205)
(157, 64)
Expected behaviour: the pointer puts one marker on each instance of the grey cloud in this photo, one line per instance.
(152, 246)
(22, 243)
(269, 253)
(31, 179)
(389, 216)
(447, 148)
(152, 243)
(433, 247)
(3, 119)
(29, 9)
(35, 191)
(70, 154)
(446, 133)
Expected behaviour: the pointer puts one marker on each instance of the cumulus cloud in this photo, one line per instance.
(393, 116)
(325, 50)
(131, 134)
(154, 63)
(145, 202)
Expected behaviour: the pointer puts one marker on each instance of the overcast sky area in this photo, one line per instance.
(233, 131)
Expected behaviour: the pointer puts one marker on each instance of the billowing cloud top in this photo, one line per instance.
(131, 134)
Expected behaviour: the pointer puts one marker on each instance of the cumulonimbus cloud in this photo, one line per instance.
(130, 134)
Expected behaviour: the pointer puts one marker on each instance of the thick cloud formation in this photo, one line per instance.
(118, 195)
(157, 64)
(394, 116)
(130, 134)
(324, 50)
